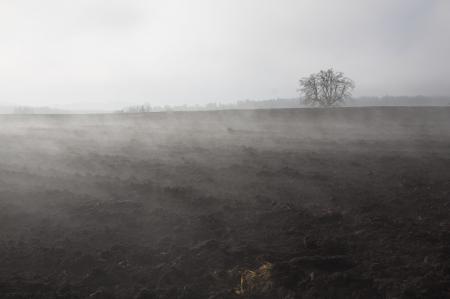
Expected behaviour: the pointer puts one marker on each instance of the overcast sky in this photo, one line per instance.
(110, 53)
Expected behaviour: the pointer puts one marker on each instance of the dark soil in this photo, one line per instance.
(314, 203)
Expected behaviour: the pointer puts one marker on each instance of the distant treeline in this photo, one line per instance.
(278, 103)
(295, 103)
(399, 101)
(37, 110)
(247, 104)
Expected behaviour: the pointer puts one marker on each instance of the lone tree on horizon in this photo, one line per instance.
(326, 88)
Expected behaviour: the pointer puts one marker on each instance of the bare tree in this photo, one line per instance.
(326, 88)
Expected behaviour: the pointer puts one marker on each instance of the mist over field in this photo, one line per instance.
(253, 149)
(228, 204)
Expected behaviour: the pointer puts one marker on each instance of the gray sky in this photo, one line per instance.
(112, 53)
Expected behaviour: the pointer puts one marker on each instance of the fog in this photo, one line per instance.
(109, 54)
(252, 196)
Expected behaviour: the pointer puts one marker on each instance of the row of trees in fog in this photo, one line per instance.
(246, 104)
(296, 103)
